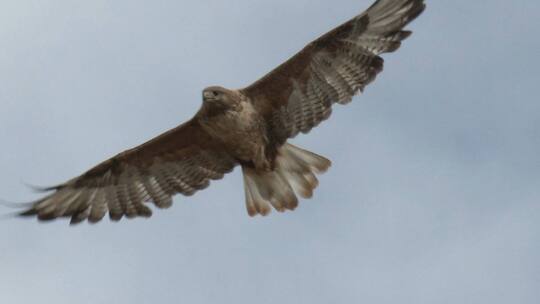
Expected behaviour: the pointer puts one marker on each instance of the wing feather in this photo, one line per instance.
(183, 160)
(299, 94)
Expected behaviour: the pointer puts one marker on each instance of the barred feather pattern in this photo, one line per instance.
(125, 193)
(293, 98)
(294, 174)
(343, 64)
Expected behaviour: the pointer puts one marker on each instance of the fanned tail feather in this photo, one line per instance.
(294, 174)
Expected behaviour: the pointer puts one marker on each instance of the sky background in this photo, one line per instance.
(432, 197)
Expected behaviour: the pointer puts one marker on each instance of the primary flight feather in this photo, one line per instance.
(247, 127)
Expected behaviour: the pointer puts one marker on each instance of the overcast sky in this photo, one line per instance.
(433, 196)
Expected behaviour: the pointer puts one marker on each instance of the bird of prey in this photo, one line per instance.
(247, 127)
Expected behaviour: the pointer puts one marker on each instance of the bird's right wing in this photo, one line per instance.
(182, 160)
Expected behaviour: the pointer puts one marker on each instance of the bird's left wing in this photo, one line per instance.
(299, 94)
(182, 160)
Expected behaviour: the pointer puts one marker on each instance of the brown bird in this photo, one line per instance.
(247, 127)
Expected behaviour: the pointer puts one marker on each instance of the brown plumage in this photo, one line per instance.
(247, 127)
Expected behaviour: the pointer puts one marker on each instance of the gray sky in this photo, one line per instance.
(432, 198)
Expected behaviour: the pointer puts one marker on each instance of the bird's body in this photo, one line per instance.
(240, 128)
(249, 127)
(273, 171)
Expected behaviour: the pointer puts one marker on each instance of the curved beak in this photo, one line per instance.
(208, 95)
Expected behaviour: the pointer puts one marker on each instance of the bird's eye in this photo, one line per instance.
(215, 93)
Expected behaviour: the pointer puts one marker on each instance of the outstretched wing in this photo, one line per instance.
(182, 160)
(299, 94)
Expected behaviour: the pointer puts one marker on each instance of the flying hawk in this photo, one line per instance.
(247, 127)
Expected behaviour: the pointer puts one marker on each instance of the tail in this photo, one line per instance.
(294, 173)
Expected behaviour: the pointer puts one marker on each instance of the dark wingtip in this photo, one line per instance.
(40, 189)
(14, 205)
(404, 35)
(28, 210)
(28, 213)
(74, 221)
(418, 9)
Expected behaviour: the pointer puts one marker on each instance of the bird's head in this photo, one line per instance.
(219, 97)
